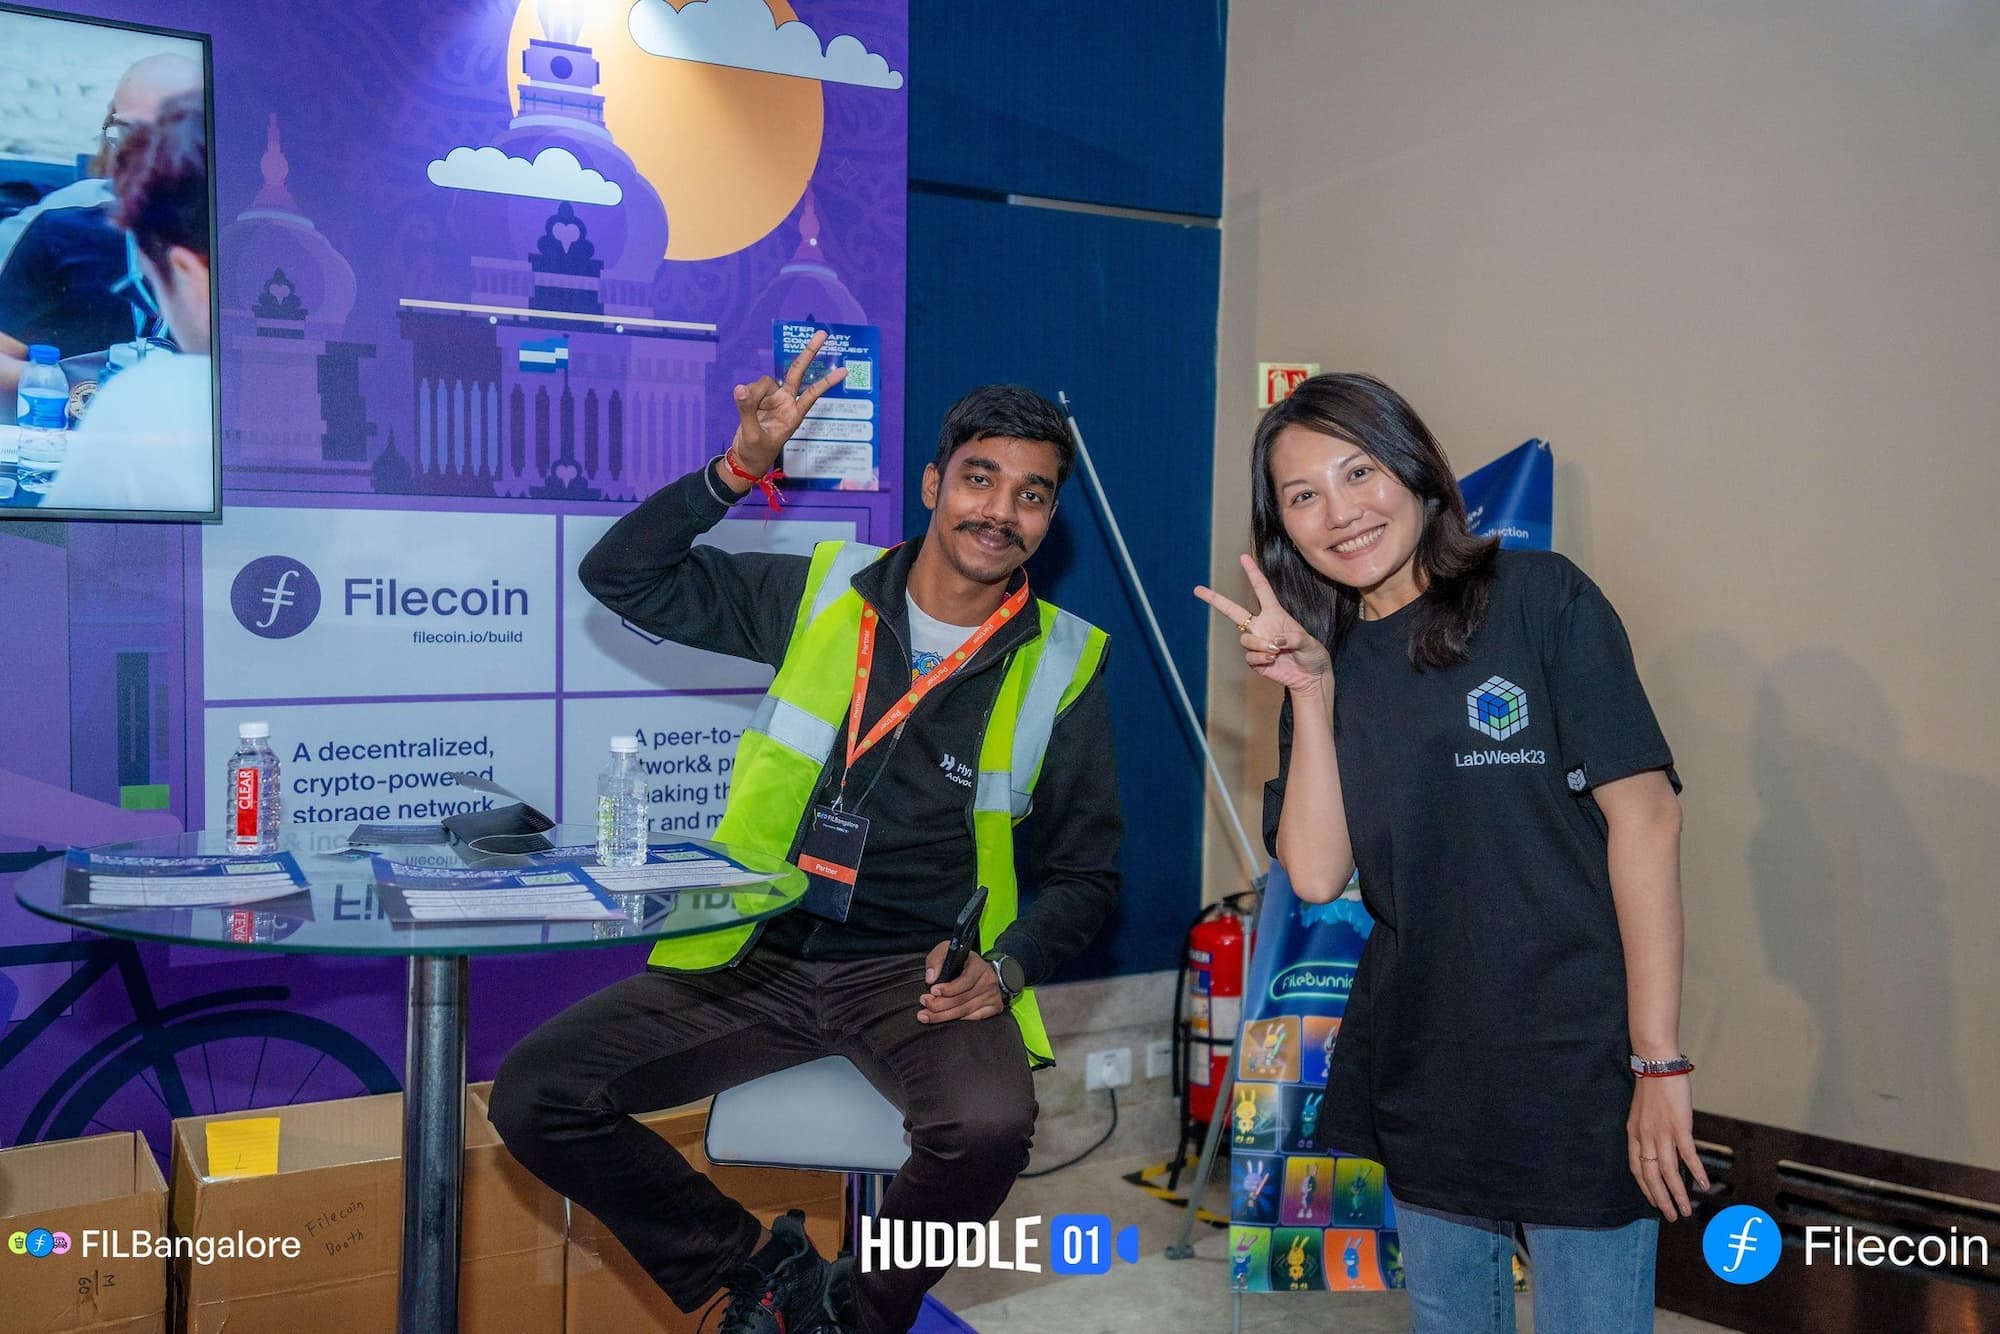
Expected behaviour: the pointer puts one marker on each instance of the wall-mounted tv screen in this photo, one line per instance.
(108, 403)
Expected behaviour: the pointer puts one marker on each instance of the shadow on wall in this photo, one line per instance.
(1855, 915)
(1754, 1034)
(1837, 996)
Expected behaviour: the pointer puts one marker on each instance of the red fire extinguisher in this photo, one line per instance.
(1208, 1010)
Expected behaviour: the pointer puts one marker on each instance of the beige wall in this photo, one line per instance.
(1740, 264)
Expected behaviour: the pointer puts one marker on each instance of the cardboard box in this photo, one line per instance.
(106, 1185)
(339, 1190)
(605, 1287)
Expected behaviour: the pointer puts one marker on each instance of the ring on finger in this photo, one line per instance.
(1243, 627)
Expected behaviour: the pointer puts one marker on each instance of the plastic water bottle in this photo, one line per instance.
(44, 389)
(118, 357)
(41, 412)
(254, 800)
(621, 806)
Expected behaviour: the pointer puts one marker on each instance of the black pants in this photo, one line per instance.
(565, 1096)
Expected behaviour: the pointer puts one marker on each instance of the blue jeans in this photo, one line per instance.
(1587, 1280)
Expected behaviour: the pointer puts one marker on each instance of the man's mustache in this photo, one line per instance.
(974, 526)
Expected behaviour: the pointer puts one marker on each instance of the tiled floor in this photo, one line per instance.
(1158, 1295)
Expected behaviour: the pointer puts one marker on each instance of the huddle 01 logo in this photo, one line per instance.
(1085, 1243)
(1498, 708)
(1741, 1244)
(274, 597)
(1078, 1244)
(39, 1243)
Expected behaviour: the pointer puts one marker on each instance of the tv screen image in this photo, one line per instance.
(107, 234)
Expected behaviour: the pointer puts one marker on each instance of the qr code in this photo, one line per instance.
(860, 374)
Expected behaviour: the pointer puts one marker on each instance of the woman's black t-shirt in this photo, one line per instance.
(1482, 1056)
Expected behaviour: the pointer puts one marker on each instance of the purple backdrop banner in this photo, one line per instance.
(486, 275)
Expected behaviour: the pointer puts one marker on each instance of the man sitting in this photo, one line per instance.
(902, 809)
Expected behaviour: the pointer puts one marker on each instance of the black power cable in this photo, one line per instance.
(1102, 1140)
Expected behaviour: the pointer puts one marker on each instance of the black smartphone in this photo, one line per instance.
(964, 936)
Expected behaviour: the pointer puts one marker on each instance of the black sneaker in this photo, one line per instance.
(841, 1304)
(781, 1289)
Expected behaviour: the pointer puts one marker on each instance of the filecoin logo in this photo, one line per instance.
(1741, 1244)
(274, 597)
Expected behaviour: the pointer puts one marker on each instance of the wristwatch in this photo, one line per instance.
(1645, 1069)
(1013, 980)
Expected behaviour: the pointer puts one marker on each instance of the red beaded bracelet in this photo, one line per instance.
(768, 483)
(1678, 1065)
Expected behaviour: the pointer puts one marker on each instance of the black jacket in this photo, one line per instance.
(919, 866)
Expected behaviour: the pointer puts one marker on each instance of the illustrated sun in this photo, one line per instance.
(730, 151)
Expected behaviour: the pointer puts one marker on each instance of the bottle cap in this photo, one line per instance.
(42, 354)
(624, 745)
(253, 731)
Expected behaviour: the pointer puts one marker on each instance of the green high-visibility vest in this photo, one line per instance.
(782, 752)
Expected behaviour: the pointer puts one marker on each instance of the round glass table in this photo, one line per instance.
(340, 909)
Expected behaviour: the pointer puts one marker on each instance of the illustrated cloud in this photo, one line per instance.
(554, 174)
(741, 33)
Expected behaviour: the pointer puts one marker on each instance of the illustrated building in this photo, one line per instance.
(624, 413)
(292, 412)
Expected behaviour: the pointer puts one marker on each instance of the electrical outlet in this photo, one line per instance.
(1159, 1059)
(1108, 1069)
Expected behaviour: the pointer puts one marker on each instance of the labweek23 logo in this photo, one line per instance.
(1497, 708)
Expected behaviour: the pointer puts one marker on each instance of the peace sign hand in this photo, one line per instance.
(1275, 645)
(770, 410)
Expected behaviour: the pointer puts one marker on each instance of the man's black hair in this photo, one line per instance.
(1008, 411)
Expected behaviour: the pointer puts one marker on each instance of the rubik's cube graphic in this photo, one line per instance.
(1498, 707)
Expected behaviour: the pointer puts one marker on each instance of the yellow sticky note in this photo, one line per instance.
(246, 1148)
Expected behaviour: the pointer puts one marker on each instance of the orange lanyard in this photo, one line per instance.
(864, 658)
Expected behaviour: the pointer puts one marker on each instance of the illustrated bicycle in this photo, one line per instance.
(222, 1051)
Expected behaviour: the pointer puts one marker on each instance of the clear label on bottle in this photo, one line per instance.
(249, 792)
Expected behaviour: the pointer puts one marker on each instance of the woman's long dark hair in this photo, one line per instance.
(1455, 568)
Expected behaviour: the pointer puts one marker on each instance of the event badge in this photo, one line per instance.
(831, 858)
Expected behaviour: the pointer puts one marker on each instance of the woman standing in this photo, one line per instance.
(1490, 764)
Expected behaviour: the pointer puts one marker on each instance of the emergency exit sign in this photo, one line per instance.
(1277, 379)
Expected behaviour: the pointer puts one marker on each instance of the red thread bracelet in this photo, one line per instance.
(768, 483)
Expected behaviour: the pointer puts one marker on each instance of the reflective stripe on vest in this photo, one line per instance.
(790, 725)
(784, 750)
(1065, 638)
(848, 559)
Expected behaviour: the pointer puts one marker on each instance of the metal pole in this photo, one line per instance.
(1250, 858)
(433, 1145)
(1185, 1247)
(1211, 1143)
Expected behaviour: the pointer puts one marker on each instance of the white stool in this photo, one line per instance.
(824, 1116)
